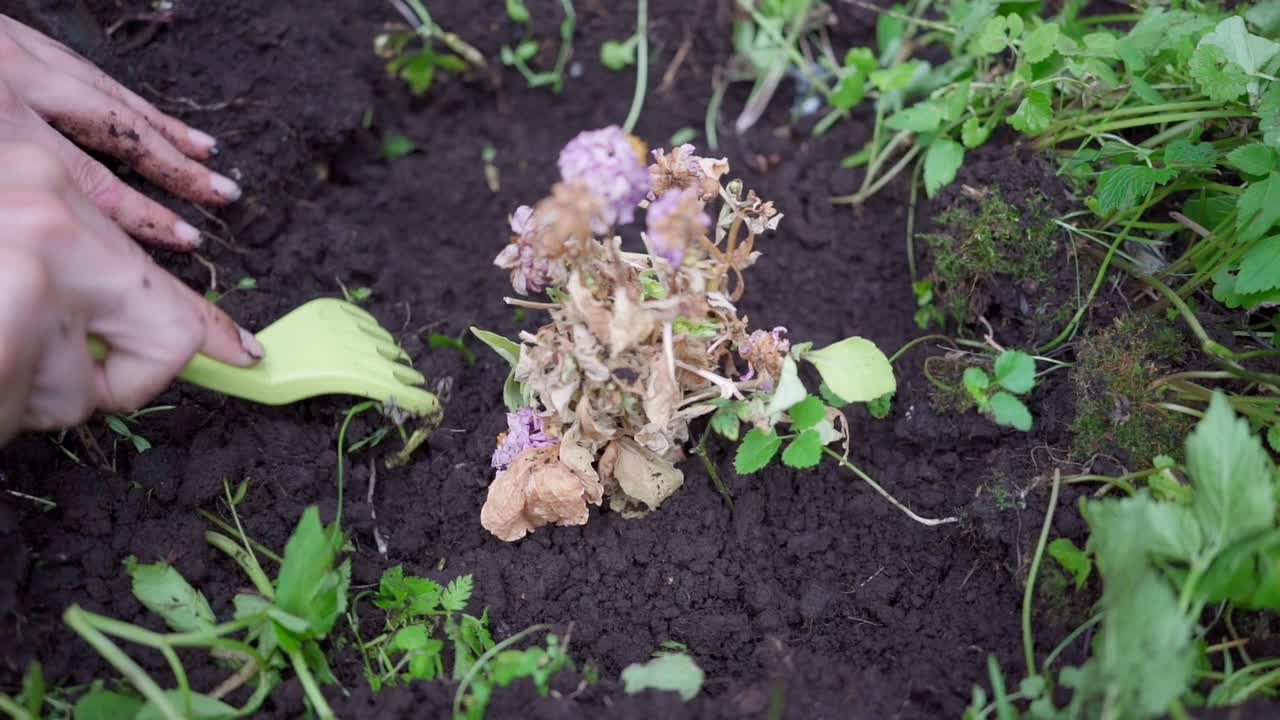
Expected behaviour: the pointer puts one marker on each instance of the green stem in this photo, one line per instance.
(923, 338)
(83, 623)
(342, 447)
(244, 559)
(309, 686)
(1070, 329)
(642, 65)
(566, 47)
(226, 527)
(1162, 119)
(928, 522)
(1028, 642)
(15, 711)
(713, 111)
(1066, 642)
(488, 655)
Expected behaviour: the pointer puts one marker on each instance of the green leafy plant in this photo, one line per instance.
(668, 670)
(519, 56)
(1164, 557)
(273, 630)
(412, 54)
(996, 394)
(395, 145)
(244, 284)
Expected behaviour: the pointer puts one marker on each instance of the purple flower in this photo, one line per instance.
(674, 221)
(522, 220)
(524, 431)
(608, 161)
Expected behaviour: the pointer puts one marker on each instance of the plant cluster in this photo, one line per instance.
(1177, 559)
(640, 344)
(419, 51)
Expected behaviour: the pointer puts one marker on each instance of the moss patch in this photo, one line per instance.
(985, 238)
(1112, 377)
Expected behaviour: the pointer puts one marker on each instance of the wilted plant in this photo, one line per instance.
(641, 343)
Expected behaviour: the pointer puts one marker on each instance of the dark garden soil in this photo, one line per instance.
(811, 590)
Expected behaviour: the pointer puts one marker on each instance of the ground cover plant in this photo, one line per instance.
(1054, 219)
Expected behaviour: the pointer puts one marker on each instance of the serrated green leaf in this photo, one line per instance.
(458, 593)
(675, 672)
(804, 452)
(855, 369)
(1248, 51)
(1253, 159)
(1231, 474)
(1072, 559)
(413, 637)
(162, 590)
(1219, 78)
(992, 37)
(1260, 267)
(919, 118)
(1009, 410)
(1258, 209)
(1034, 113)
(807, 413)
(756, 450)
(941, 163)
(977, 381)
(1040, 43)
(1015, 371)
(307, 585)
(1183, 153)
(1122, 187)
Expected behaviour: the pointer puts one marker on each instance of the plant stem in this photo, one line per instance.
(1049, 140)
(15, 711)
(309, 686)
(894, 357)
(242, 558)
(488, 655)
(713, 111)
(226, 527)
(885, 494)
(1070, 329)
(81, 622)
(1028, 642)
(642, 65)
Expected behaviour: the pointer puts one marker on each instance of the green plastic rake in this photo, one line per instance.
(323, 347)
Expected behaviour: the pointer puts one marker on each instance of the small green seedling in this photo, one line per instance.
(927, 311)
(436, 341)
(519, 56)
(668, 670)
(354, 296)
(619, 55)
(246, 283)
(1015, 374)
(395, 145)
(413, 56)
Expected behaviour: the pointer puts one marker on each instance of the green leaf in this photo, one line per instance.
(1219, 78)
(974, 133)
(307, 586)
(1015, 371)
(1260, 267)
(831, 398)
(724, 421)
(1040, 43)
(1250, 52)
(941, 163)
(1253, 159)
(1009, 410)
(457, 594)
(756, 450)
(850, 90)
(413, 637)
(955, 102)
(517, 11)
(919, 118)
(1122, 187)
(1258, 209)
(1034, 113)
(509, 350)
(977, 382)
(99, 704)
(675, 672)
(1265, 16)
(855, 369)
(203, 707)
(805, 451)
(889, 31)
(1182, 153)
(683, 135)
(790, 389)
(435, 341)
(1072, 559)
(617, 55)
(395, 145)
(163, 591)
(807, 413)
(992, 38)
(33, 690)
(880, 407)
(1231, 474)
(896, 77)
(1273, 437)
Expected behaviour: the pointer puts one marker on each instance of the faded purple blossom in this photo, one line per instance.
(524, 431)
(522, 221)
(530, 271)
(674, 221)
(609, 162)
(765, 352)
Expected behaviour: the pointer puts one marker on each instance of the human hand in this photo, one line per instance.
(68, 272)
(45, 85)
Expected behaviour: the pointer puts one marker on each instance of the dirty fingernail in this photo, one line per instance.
(187, 233)
(251, 344)
(226, 187)
(203, 140)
